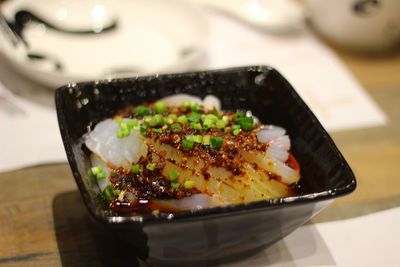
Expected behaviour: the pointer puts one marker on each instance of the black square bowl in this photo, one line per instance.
(214, 235)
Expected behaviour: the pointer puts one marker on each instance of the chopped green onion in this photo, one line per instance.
(132, 123)
(214, 110)
(160, 107)
(143, 128)
(195, 107)
(168, 120)
(156, 120)
(101, 176)
(239, 114)
(96, 170)
(175, 185)
(151, 166)
(135, 168)
(172, 116)
(194, 117)
(147, 118)
(173, 175)
(225, 119)
(186, 104)
(183, 119)
(196, 126)
(123, 125)
(192, 105)
(123, 133)
(216, 142)
(235, 126)
(120, 134)
(116, 192)
(156, 130)
(197, 138)
(188, 184)
(211, 117)
(206, 140)
(220, 124)
(142, 110)
(236, 131)
(108, 193)
(246, 123)
(207, 123)
(187, 144)
(121, 196)
(125, 129)
(176, 128)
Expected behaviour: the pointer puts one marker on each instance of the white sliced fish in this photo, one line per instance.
(119, 152)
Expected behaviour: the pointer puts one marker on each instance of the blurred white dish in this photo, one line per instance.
(272, 16)
(135, 38)
(359, 25)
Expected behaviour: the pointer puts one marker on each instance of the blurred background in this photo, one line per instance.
(343, 57)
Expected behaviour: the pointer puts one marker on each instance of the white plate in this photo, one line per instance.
(150, 36)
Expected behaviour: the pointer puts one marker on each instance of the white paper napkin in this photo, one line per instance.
(325, 84)
(366, 241)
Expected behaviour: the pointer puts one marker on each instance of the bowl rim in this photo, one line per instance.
(214, 211)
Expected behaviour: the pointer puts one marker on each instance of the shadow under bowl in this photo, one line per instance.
(214, 235)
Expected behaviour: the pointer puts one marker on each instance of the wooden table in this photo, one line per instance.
(44, 223)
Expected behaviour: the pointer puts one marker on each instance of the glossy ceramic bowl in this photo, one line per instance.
(208, 236)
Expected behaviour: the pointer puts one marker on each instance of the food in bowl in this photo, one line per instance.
(182, 153)
(203, 237)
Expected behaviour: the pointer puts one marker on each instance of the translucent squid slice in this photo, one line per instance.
(103, 141)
